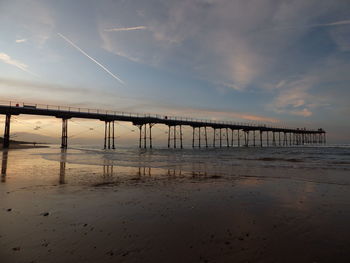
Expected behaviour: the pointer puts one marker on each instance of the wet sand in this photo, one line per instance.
(24, 146)
(63, 212)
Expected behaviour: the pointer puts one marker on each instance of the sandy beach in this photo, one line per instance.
(55, 211)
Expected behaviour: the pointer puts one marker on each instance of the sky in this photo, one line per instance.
(284, 63)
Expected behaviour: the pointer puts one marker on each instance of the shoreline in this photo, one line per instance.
(16, 146)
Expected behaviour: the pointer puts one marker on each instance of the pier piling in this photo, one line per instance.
(64, 138)
(6, 143)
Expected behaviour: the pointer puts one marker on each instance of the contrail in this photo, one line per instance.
(125, 28)
(336, 23)
(94, 60)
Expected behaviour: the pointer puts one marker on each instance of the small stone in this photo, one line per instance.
(9, 210)
(45, 214)
(16, 248)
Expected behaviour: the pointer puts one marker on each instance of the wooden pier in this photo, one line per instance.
(224, 132)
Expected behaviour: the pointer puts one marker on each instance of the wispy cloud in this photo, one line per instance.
(220, 115)
(19, 84)
(21, 40)
(91, 58)
(304, 112)
(118, 29)
(10, 61)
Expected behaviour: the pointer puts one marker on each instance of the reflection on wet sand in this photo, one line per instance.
(63, 162)
(199, 211)
(108, 169)
(4, 165)
(143, 171)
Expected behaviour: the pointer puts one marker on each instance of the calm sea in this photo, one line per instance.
(324, 164)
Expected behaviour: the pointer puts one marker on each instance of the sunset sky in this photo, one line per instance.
(281, 62)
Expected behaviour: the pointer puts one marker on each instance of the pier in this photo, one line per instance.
(225, 133)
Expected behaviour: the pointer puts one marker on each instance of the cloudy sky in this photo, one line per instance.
(284, 62)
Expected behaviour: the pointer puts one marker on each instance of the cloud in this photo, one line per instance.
(118, 29)
(39, 86)
(21, 40)
(321, 91)
(18, 64)
(219, 41)
(304, 112)
(91, 58)
(293, 97)
(36, 19)
(219, 115)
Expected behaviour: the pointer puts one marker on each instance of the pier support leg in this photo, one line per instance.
(246, 134)
(192, 137)
(267, 138)
(169, 130)
(140, 137)
(247, 143)
(273, 139)
(254, 138)
(113, 137)
(109, 135)
(64, 139)
(145, 137)
(181, 145)
(199, 137)
(6, 143)
(279, 138)
(220, 138)
(303, 139)
(105, 139)
(284, 139)
(238, 139)
(232, 132)
(206, 137)
(174, 136)
(150, 135)
(261, 140)
(214, 137)
(227, 141)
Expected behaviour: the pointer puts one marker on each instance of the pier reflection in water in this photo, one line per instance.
(63, 161)
(108, 175)
(4, 165)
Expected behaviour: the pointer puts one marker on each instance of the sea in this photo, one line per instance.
(326, 164)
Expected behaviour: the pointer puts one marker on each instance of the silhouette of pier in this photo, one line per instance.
(224, 132)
